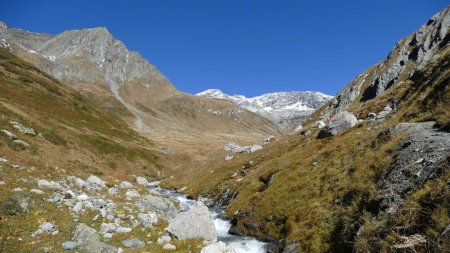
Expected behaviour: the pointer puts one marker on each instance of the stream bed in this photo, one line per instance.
(241, 244)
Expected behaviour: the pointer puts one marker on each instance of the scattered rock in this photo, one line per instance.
(141, 181)
(218, 247)
(113, 191)
(133, 243)
(83, 197)
(21, 143)
(46, 228)
(69, 245)
(89, 241)
(148, 219)
(9, 134)
(51, 185)
(169, 246)
(36, 191)
(339, 123)
(164, 239)
(195, 223)
(233, 147)
(107, 228)
(23, 129)
(410, 170)
(96, 181)
(126, 184)
(228, 157)
(131, 194)
(160, 205)
(123, 230)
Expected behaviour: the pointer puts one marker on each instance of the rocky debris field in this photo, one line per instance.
(92, 215)
(422, 156)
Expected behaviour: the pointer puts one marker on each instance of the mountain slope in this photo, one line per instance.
(381, 186)
(286, 109)
(123, 83)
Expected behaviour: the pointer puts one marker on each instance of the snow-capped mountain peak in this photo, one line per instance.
(286, 109)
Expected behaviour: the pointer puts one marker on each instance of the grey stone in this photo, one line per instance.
(169, 246)
(9, 134)
(194, 223)
(228, 157)
(22, 129)
(126, 184)
(160, 205)
(69, 245)
(141, 181)
(46, 228)
(51, 185)
(96, 181)
(133, 243)
(113, 191)
(164, 239)
(89, 241)
(36, 191)
(148, 219)
(132, 194)
(410, 170)
(218, 247)
(21, 143)
(339, 123)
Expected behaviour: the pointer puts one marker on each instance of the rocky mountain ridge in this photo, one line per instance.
(286, 109)
(409, 56)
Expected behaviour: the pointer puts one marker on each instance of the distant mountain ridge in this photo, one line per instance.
(286, 109)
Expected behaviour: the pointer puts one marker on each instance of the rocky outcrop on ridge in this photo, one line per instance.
(408, 56)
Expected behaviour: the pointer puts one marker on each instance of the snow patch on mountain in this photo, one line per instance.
(286, 109)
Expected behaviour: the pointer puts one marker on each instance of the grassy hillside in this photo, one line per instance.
(317, 193)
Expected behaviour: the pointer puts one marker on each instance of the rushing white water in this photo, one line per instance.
(240, 244)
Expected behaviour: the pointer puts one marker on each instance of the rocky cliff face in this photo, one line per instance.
(286, 109)
(90, 56)
(408, 56)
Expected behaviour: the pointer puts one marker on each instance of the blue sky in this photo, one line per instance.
(241, 47)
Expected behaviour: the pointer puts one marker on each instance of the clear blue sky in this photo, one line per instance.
(241, 47)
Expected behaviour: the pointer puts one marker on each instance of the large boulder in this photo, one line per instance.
(88, 240)
(162, 206)
(340, 122)
(194, 223)
(218, 247)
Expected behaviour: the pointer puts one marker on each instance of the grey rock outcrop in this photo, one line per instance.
(133, 243)
(194, 223)
(88, 240)
(408, 56)
(160, 205)
(218, 247)
(23, 129)
(339, 123)
(422, 156)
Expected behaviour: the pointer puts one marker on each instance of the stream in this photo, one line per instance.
(241, 244)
